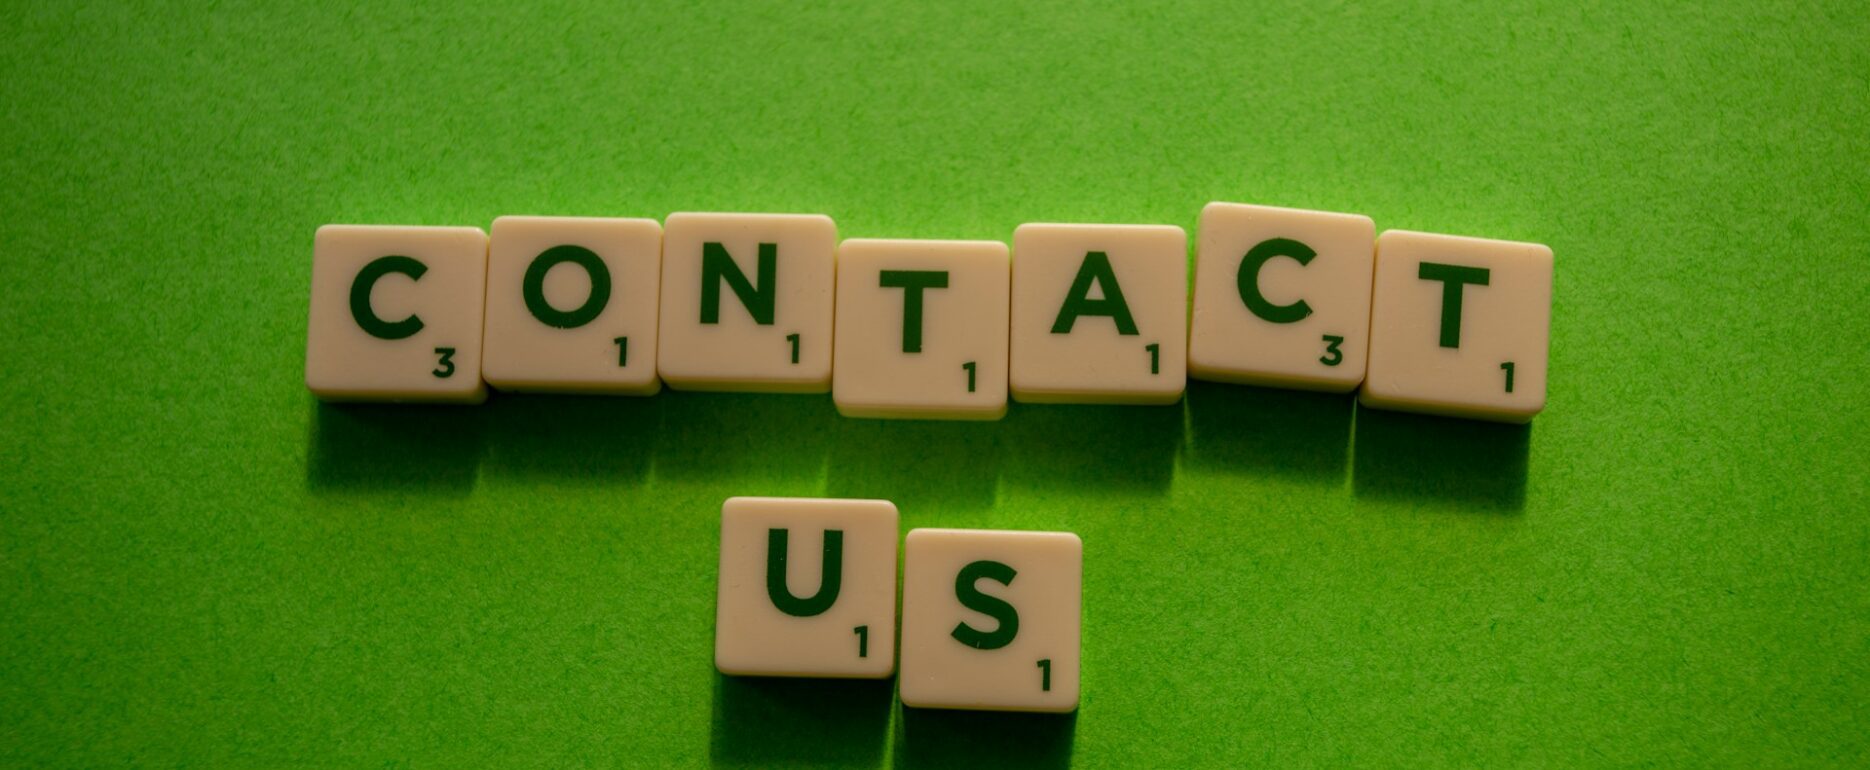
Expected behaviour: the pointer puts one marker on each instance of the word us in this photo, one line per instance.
(1073, 313)
(989, 618)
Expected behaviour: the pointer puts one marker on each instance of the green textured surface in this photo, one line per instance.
(202, 567)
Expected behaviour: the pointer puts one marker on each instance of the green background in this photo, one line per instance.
(202, 566)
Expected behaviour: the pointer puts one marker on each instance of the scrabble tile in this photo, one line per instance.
(990, 620)
(396, 314)
(1282, 297)
(1100, 314)
(747, 302)
(807, 588)
(1459, 326)
(921, 329)
(572, 305)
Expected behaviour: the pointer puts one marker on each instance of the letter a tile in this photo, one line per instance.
(1100, 314)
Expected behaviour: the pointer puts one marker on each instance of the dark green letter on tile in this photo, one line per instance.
(913, 282)
(1096, 267)
(832, 575)
(1249, 279)
(992, 607)
(1452, 278)
(717, 266)
(360, 297)
(533, 288)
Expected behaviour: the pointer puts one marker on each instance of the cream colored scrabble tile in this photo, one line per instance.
(747, 302)
(807, 588)
(1100, 313)
(396, 314)
(1282, 297)
(1459, 326)
(572, 305)
(990, 619)
(921, 329)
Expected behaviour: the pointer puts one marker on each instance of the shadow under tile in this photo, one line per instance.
(394, 447)
(590, 439)
(726, 436)
(938, 738)
(1465, 463)
(773, 721)
(1091, 449)
(919, 465)
(1298, 435)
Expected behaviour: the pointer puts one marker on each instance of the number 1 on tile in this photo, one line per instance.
(1045, 674)
(863, 641)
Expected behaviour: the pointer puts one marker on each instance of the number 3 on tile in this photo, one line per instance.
(445, 366)
(1333, 356)
(863, 641)
(1045, 674)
